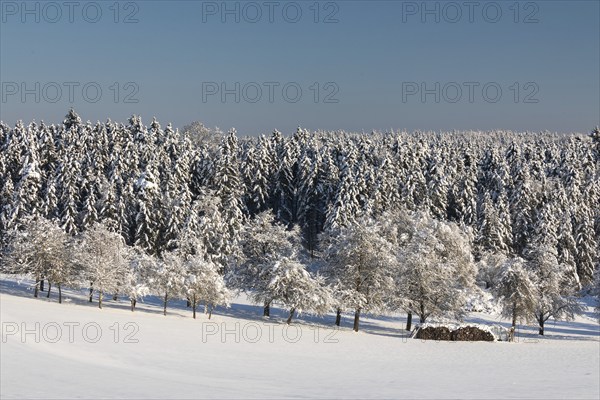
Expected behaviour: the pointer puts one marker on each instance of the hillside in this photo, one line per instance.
(179, 357)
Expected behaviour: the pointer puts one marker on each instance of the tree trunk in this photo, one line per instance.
(165, 303)
(409, 321)
(210, 311)
(541, 321)
(100, 294)
(42, 285)
(91, 294)
(292, 311)
(115, 297)
(133, 301)
(49, 288)
(514, 317)
(338, 317)
(356, 319)
(267, 310)
(37, 287)
(59, 294)
(188, 302)
(193, 305)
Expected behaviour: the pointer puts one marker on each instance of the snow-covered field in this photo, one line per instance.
(80, 351)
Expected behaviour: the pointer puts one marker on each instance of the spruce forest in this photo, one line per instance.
(422, 223)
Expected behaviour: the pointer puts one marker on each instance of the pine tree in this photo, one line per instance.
(146, 223)
(346, 206)
(493, 234)
(522, 206)
(466, 197)
(585, 244)
(436, 187)
(26, 193)
(228, 186)
(68, 195)
(386, 196)
(6, 198)
(258, 170)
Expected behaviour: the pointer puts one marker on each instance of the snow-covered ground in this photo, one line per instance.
(80, 351)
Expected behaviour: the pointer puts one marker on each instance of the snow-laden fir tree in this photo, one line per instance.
(586, 247)
(493, 228)
(437, 197)
(211, 228)
(228, 186)
(258, 170)
(67, 183)
(465, 193)
(310, 213)
(346, 205)
(147, 218)
(26, 192)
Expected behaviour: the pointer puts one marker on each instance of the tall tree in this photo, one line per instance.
(263, 243)
(516, 291)
(359, 265)
(437, 270)
(103, 256)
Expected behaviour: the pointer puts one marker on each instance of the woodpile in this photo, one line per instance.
(464, 333)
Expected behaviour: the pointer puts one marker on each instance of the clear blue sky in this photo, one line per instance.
(375, 56)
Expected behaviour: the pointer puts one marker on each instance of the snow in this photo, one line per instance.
(177, 357)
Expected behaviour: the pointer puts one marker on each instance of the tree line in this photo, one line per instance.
(317, 221)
